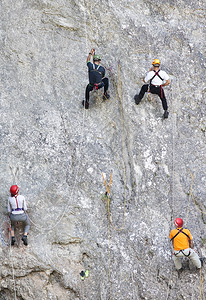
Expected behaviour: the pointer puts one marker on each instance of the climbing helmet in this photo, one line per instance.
(14, 189)
(156, 62)
(96, 57)
(178, 222)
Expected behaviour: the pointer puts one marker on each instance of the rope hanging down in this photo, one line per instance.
(192, 196)
(107, 194)
(202, 294)
(118, 86)
(65, 210)
(12, 265)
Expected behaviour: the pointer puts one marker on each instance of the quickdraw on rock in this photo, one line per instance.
(84, 274)
(110, 182)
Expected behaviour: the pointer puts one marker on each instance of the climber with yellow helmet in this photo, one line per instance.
(157, 80)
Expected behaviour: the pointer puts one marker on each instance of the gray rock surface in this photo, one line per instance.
(55, 151)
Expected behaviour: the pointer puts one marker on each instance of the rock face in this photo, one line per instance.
(55, 150)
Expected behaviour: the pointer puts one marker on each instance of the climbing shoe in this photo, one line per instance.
(106, 96)
(137, 99)
(166, 114)
(24, 239)
(85, 104)
(13, 241)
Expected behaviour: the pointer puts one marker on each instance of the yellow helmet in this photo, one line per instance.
(156, 62)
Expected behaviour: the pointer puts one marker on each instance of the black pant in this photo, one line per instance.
(158, 90)
(89, 87)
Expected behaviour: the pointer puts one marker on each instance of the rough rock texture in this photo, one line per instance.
(55, 151)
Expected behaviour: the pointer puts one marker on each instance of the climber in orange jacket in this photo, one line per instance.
(183, 245)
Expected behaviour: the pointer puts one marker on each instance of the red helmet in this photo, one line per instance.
(14, 190)
(178, 222)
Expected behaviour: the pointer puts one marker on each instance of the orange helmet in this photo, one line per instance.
(156, 62)
(178, 222)
(14, 189)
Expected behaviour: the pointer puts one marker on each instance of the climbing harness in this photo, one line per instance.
(150, 82)
(156, 74)
(16, 202)
(17, 205)
(182, 251)
(95, 69)
(180, 231)
(97, 86)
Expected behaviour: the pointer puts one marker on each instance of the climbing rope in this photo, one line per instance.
(108, 198)
(201, 288)
(2, 239)
(173, 181)
(3, 225)
(12, 265)
(173, 157)
(119, 95)
(192, 196)
(202, 294)
(65, 210)
(108, 188)
(150, 96)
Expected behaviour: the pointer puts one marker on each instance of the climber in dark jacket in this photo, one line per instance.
(97, 78)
